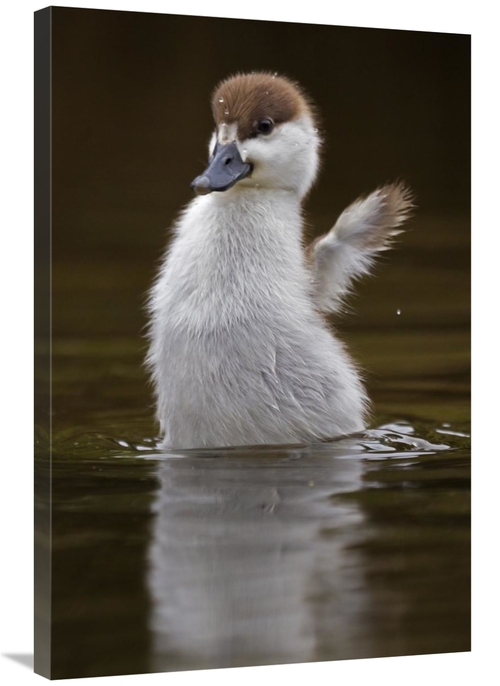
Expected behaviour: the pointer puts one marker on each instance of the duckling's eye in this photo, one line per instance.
(265, 126)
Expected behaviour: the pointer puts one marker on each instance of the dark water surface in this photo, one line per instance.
(355, 548)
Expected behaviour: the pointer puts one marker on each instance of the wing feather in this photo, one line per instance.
(349, 250)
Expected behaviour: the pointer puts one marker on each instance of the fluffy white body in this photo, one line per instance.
(240, 353)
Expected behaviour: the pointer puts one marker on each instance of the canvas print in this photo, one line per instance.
(252, 343)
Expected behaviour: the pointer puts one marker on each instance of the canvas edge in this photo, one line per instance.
(42, 341)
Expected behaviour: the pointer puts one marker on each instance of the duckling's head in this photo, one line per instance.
(265, 137)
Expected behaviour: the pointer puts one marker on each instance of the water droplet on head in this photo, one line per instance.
(226, 111)
(267, 92)
(221, 99)
(275, 74)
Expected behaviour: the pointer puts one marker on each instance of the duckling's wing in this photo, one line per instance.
(348, 251)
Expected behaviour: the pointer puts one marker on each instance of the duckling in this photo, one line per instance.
(240, 351)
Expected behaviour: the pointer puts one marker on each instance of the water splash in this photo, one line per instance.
(387, 441)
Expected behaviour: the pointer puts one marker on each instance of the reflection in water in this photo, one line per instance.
(237, 555)
(256, 555)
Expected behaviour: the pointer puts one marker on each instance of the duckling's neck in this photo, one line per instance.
(255, 195)
(255, 216)
(251, 226)
(239, 250)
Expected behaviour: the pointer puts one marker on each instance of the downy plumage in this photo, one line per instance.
(239, 351)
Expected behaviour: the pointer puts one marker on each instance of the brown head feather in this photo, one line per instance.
(248, 98)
